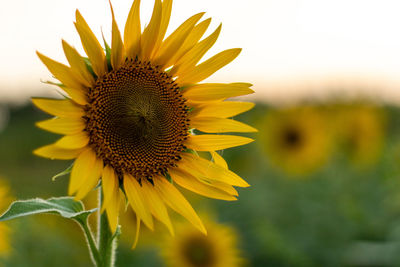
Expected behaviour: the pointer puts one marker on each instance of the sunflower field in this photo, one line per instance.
(324, 191)
(143, 147)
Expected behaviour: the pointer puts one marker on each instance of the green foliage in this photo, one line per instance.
(66, 207)
(340, 215)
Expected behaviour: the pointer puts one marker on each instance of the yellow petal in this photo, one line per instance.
(224, 187)
(113, 211)
(59, 107)
(223, 109)
(109, 183)
(229, 189)
(156, 205)
(191, 40)
(219, 160)
(219, 125)
(177, 202)
(91, 180)
(111, 201)
(62, 73)
(67, 126)
(78, 65)
(133, 31)
(188, 61)
(166, 15)
(211, 142)
(210, 170)
(191, 183)
(136, 199)
(216, 91)
(117, 46)
(91, 46)
(150, 33)
(75, 141)
(208, 67)
(62, 125)
(81, 170)
(55, 152)
(77, 95)
(195, 106)
(137, 232)
(175, 41)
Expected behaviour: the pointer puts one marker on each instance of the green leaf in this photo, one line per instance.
(66, 207)
(65, 172)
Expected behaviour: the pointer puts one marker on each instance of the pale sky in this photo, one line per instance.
(290, 47)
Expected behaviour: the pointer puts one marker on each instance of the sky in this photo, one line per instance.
(291, 48)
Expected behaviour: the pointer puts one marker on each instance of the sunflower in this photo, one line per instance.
(135, 114)
(296, 139)
(192, 249)
(6, 199)
(361, 130)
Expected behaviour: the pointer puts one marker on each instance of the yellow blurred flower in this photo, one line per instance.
(297, 140)
(6, 199)
(361, 130)
(190, 248)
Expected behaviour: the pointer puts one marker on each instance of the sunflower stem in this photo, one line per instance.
(107, 242)
(94, 253)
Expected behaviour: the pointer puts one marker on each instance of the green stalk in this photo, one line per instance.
(94, 253)
(107, 242)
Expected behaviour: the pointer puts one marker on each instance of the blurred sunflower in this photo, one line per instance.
(131, 111)
(296, 140)
(361, 130)
(6, 199)
(192, 249)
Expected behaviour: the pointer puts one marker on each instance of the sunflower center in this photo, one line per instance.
(199, 252)
(137, 119)
(292, 138)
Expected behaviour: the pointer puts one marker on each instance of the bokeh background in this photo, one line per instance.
(324, 169)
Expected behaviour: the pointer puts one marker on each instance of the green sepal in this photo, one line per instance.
(61, 85)
(169, 178)
(66, 207)
(89, 67)
(116, 234)
(61, 93)
(64, 172)
(108, 54)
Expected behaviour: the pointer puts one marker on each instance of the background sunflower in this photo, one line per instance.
(192, 249)
(296, 140)
(361, 129)
(5, 231)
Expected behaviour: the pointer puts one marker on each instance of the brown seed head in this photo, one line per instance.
(137, 119)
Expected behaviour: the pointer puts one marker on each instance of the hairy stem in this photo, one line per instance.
(107, 242)
(94, 253)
